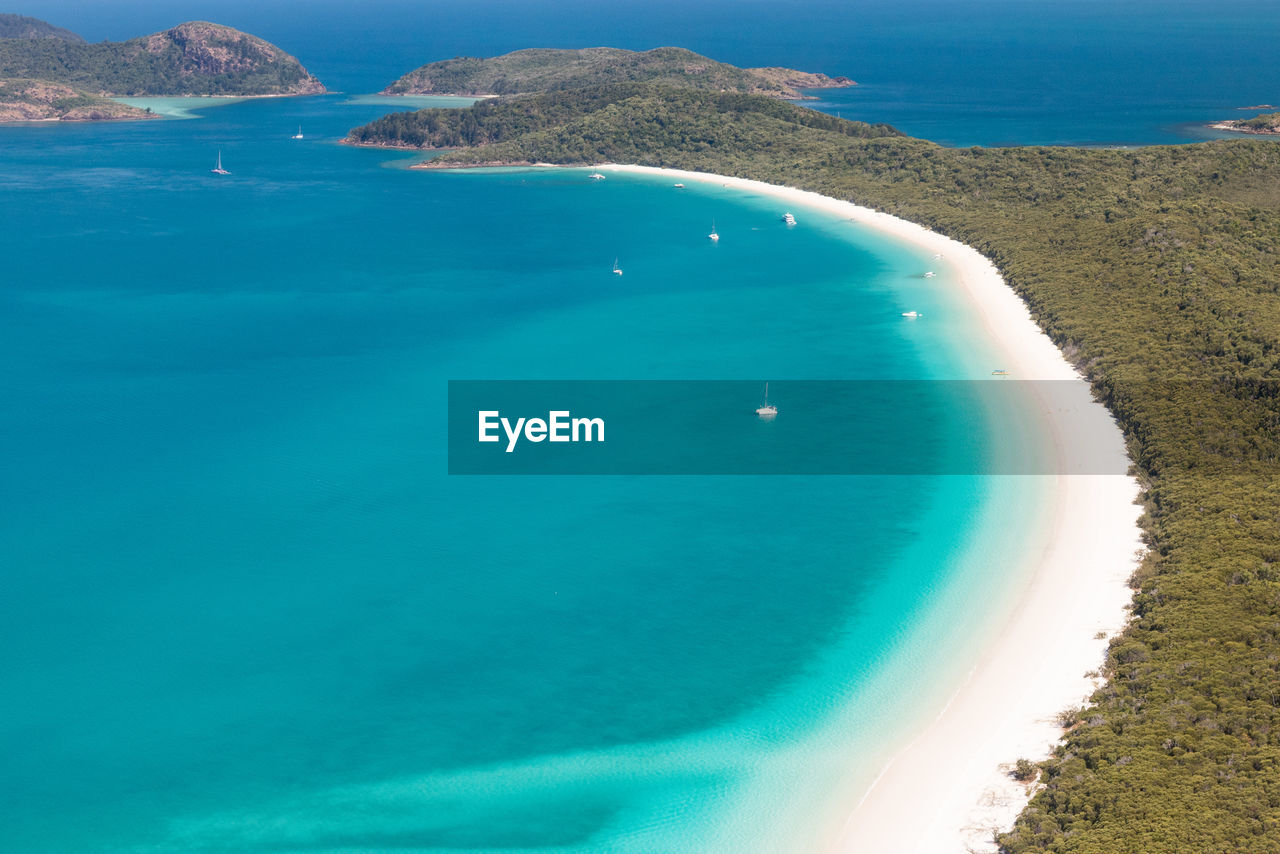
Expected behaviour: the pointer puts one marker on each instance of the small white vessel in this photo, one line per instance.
(788, 218)
(929, 275)
(713, 236)
(617, 271)
(297, 135)
(937, 255)
(912, 314)
(218, 170)
(679, 186)
(596, 176)
(766, 410)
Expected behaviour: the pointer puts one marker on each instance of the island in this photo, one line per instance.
(51, 73)
(1267, 123)
(545, 70)
(1152, 270)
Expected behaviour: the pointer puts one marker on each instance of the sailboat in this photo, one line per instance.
(767, 410)
(297, 135)
(617, 271)
(218, 170)
(713, 236)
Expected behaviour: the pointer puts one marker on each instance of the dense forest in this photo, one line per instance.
(601, 122)
(195, 58)
(1157, 271)
(546, 70)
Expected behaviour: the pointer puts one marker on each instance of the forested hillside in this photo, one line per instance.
(196, 58)
(544, 70)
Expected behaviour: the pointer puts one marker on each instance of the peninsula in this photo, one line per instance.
(1267, 123)
(1136, 265)
(50, 73)
(545, 70)
(23, 100)
(633, 122)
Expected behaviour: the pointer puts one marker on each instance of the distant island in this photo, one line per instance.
(1267, 123)
(52, 73)
(535, 71)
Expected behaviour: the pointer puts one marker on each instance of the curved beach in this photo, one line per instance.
(949, 788)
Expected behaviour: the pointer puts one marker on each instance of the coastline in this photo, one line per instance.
(1234, 126)
(1076, 595)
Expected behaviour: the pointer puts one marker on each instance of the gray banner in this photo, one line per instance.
(636, 427)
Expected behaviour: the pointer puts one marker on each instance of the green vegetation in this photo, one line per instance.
(1024, 771)
(620, 122)
(195, 58)
(38, 100)
(22, 27)
(1155, 270)
(1267, 122)
(543, 70)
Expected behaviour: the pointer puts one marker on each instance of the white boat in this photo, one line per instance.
(929, 275)
(596, 176)
(679, 186)
(912, 314)
(937, 255)
(788, 218)
(297, 135)
(713, 236)
(617, 271)
(218, 170)
(766, 410)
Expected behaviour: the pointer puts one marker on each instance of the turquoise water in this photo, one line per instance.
(246, 609)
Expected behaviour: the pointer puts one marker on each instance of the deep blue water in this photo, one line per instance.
(996, 72)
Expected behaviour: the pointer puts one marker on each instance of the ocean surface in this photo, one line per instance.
(246, 609)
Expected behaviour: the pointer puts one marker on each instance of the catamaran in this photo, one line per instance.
(596, 176)
(218, 170)
(713, 236)
(297, 135)
(767, 410)
(617, 271)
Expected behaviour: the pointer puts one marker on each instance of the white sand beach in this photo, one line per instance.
(949, 788)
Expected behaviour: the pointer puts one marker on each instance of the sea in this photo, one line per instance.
(246, 607)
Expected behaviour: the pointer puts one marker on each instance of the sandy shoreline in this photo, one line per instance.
(950, 787)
